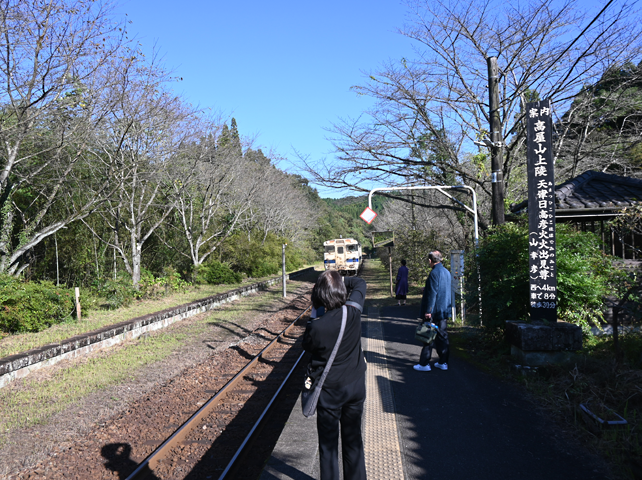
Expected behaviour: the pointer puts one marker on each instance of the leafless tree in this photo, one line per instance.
(420, 225)
(602, 128)
(429, 109)
(55, 63)
(279, 207)
(214, 195)
(149, 131)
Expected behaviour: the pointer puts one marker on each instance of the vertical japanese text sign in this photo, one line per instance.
(541, 212)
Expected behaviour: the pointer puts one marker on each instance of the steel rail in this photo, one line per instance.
(258, 422)
(151, 462)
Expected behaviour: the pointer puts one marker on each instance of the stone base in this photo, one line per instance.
(539, 358)
(540, 344)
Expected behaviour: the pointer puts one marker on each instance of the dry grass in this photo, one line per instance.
(378, 295)
(95, 319)
(33, 402)
(594, 378)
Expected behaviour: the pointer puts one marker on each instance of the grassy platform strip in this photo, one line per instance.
(19, 365)
(34, 402)
(378, 295)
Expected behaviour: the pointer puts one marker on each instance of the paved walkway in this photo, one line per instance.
(458, 424)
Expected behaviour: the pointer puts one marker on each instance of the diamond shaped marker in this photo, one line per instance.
(368, 215)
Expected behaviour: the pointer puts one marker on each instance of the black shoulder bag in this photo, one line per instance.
(310, 396)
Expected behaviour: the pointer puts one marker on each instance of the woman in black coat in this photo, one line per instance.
(344, 390)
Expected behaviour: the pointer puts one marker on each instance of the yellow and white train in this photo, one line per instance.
(343, 255)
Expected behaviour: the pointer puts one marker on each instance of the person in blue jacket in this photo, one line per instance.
(436, 307)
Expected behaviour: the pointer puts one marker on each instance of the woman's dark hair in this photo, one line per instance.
(403, 262)
(329, 291)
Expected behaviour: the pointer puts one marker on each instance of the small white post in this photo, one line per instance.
(78, 303)
(283, 280)
(57, 264)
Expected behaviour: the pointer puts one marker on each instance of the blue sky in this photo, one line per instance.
(283, 69)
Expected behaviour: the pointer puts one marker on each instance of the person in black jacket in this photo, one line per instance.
(344, 390)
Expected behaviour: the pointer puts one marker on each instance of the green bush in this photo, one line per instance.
(115, 293)
(33, 306)
(216, 273)
(585, 276)
(173, 281)
(150, 286)
(261, 258)
(414, 247)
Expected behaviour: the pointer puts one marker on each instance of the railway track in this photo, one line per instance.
(211, 443)
(116, 445)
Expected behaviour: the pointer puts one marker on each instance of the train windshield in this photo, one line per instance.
(329, 249)
(353, 248)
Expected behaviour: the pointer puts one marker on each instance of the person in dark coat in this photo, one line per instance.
(436, 307)
(402, 283)
(344, 390)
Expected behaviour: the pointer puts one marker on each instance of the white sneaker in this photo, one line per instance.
(441, 366)
(421, 368)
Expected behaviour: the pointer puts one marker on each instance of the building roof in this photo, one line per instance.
(594, 190)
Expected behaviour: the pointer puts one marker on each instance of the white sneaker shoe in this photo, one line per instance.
(441, 366)
(421, 368)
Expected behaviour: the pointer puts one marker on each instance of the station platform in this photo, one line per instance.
(455, 424)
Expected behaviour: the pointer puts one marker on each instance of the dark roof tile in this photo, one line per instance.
(594, 190)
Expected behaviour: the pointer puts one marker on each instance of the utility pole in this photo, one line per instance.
(497, 150)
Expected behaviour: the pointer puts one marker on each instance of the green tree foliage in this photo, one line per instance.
(628, 226)
(413, 246)
(59, 60)
(601, 128)
(229, 142)
(216, 273)
(340, 218)
(257, 156)
(235, 140)
(110, 294)
(256, 258)
(33, 306)
(585, 276)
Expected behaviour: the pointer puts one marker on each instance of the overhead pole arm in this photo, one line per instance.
(441, 189)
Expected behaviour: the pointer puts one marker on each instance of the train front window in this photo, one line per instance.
(329, 249)
(353, 248)
(339, 250)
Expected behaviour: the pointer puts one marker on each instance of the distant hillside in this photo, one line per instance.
(352, 205)
(340, 218)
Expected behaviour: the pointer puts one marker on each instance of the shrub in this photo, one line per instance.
(585, 276)
(414, 247)
(172, 280)
(115, 293)
(257, 258)
(33, 306)
(216, 273)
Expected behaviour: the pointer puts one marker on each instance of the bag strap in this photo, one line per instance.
(336, 347)
(355, 305)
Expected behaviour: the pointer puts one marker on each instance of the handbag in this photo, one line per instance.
(310, 396)
(426, 332)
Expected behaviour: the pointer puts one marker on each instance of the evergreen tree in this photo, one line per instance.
(235, 140)
(224, 139)
(257, 156)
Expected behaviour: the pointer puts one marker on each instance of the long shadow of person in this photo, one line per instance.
(119, 461)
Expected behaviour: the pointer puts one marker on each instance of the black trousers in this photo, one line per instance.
(440, 344)
(342, 407)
